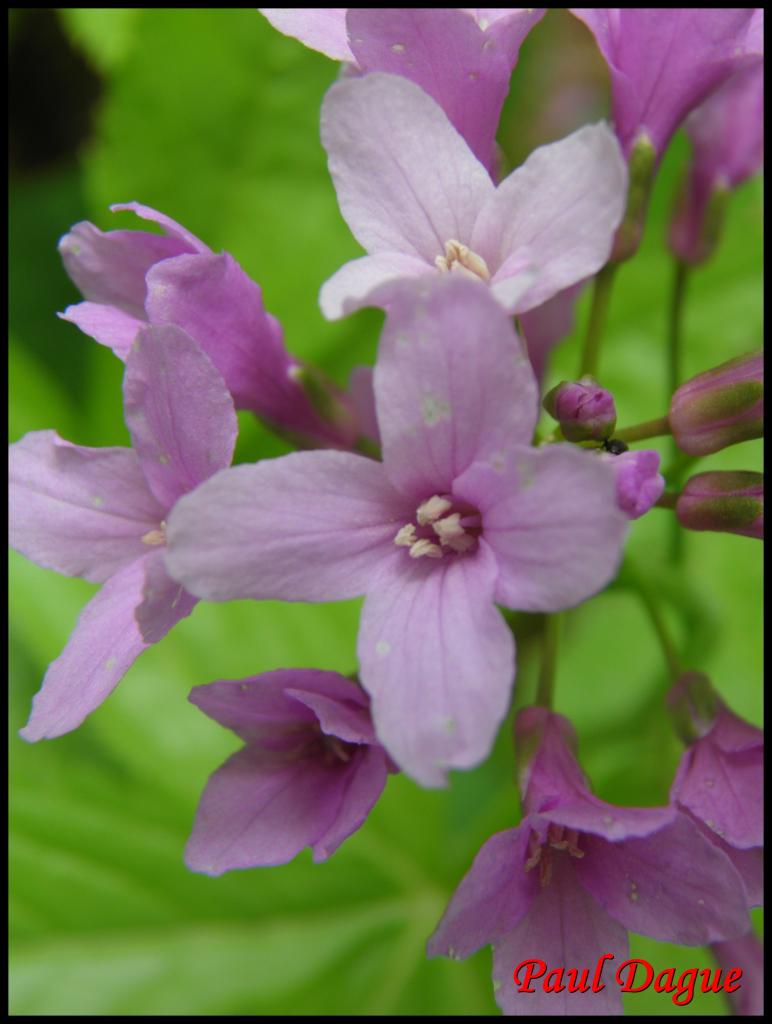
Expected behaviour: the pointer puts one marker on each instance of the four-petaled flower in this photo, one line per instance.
(461, 513)
(101, 513)
(567, 884)
(419, 201)
(309, 773)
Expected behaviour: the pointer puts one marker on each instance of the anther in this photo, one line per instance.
(406, 536)
(155, 537)
(425, 547)
(460, 259)
(432, 509)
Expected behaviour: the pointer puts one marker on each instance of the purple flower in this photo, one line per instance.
(720, 407)
(727, 134)
(584, 410)
(639, 482)
(461, 513)
(309, 775)
(419, 201)
(132, 278)
(577, 874)
(100, 513)
(720, 778)
(462, 58)
(664, 61)
(724, 501)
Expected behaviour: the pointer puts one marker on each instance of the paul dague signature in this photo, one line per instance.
(627, 976)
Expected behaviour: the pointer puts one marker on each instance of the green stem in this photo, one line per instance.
(601, 293)
(642, 431)
(550, 641)
(675, 374)
(649, 600)
(667, 499)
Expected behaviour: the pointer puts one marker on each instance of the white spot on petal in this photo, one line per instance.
(164, 459)
(97, 502)
(382, 648)
(110, 663)
(398, 47)
(434, 410)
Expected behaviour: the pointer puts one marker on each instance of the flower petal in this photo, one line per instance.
(344, 714)
(551, 518)
(109, 267)
(558, 213)
(643, 885)
(320, 28)
(164, 602)
(565, 927)
(311, 526)
(492, 897)
(546, 325)
(219, 306)
(353, 285)
(437, 660)
(364, 784)
(446, 53)
(179, 413)
(79, 511)
(406, 180)
(171, 227)
(260, 809)
(108, 325)
(103, 646)
(362, 394)
(452, 384)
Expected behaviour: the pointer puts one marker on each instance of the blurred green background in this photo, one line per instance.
(212, 117)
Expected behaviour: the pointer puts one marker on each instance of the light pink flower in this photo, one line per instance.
(462, 513)
(419, 201)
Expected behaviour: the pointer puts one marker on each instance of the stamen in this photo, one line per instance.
(406, 536)
(432, 509)
(155, 537)
(461, 259)
(449, 527)
(425, 547)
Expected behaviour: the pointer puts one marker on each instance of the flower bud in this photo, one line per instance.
(726, 501)
(585, 411)
(639, 482)
(720, 407)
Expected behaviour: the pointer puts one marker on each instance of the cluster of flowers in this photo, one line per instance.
(424, 490)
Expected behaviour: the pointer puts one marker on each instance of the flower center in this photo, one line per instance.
(441, 527)
(460, 259)
(558, 838)
(157, 536)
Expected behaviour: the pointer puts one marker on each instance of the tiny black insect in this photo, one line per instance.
(614, 446)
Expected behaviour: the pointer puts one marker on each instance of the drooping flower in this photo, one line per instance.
(720, 780)
(309, 774)
(727, 136)
(664, 61)
(462, 58)
(420, 203)
(723, 501)
(461, 513)
(100, 513)
(720, 407)
(567, 884)
(132, 278)
(584, 410)
(639, 481)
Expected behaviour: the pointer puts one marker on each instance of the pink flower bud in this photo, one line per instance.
(639, 482)
(585, 411)
(720, 407)
(724, 501)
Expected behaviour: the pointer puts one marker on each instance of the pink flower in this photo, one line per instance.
(664, 61)
(419, 201)
(462, 58)
(639, 481)
(100, 513)
(309, 774)
(577, 874)
(461, 513)
(132, 278)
